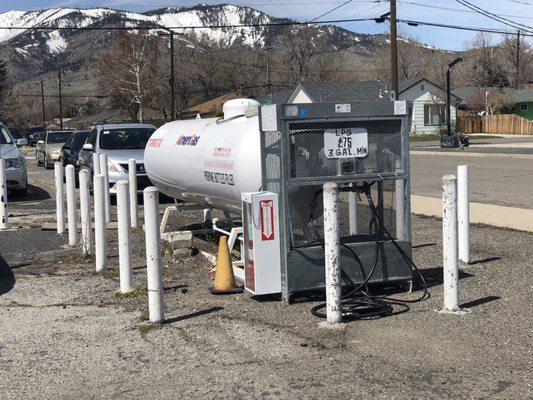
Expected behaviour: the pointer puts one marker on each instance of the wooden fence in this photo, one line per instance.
(505, 124)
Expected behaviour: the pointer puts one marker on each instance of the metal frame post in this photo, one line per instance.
(353, 213)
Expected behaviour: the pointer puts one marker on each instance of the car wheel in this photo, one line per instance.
(46, 165)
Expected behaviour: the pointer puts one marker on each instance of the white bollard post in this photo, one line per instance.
(156, 306)
(99, 224)
(449, 243)
(3, 195)
(70, 175)
(96, 164)
(353, 213)
(104, 171)
(60, 198)
(332, 252)
(85, 212)
(132, 177)
(463, 214)
(400, 208)
(124, 243)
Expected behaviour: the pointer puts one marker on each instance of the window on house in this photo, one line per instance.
(422, 87)
(523, 107)
(434, 114)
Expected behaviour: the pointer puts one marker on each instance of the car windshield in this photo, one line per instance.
(5, 138)
(125, 138)
(58, 137)
(79, 139)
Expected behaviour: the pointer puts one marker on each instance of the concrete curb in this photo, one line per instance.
(469, 154)
(503, 217)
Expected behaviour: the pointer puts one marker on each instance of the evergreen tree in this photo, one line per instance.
(4, 89)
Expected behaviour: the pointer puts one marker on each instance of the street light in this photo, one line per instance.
(170, 34)
(448, 106)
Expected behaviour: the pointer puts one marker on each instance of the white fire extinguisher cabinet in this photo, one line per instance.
(262, 261)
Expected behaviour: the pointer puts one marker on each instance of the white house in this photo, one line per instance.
(428, 104)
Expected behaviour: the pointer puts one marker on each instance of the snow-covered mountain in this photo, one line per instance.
(26, 45)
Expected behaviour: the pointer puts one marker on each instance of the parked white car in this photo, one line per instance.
(15, 162)
(120, 142)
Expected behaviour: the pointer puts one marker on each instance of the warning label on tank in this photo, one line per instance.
(219, 177)
(345, 142)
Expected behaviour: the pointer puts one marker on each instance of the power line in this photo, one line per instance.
(330, 11)
(522, 2)
(495, 17)
(411, 22)
(452, 8)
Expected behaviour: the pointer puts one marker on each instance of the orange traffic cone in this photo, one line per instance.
(224, 279)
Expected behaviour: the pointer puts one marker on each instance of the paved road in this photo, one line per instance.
(499, 180)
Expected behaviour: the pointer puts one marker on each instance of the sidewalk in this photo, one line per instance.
(503, 217)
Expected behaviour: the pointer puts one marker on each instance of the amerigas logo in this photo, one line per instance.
(188, 140)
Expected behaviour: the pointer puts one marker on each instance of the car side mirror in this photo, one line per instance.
(88, 147)
(22, 142)
(40, 142)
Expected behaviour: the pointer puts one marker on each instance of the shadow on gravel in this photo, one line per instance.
(419, 246)
(193, 315)
(478, 302)
(35, 193)
(485, 260)
(7, 279)
(434, 276)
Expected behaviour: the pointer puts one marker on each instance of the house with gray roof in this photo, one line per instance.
(477, 97)
(427, 99)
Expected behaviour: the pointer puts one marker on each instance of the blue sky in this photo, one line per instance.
(517, 10)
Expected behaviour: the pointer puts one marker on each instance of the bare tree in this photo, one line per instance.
(487, 67)
(518, 57)
(128, 68)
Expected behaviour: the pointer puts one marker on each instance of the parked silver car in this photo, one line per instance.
(48, 151)
(15, 162)
(120, 142)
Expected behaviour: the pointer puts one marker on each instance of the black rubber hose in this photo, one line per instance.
(358, 304)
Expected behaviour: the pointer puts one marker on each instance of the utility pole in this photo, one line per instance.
(60, 100)
(393, 48)
(42, 103)
(172, 79)
(517, 60)
(269, 89)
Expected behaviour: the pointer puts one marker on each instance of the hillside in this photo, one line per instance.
(34, 52)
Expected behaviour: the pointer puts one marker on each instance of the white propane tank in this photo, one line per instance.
(208, 161)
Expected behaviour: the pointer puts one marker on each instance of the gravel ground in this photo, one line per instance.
(66, 334)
